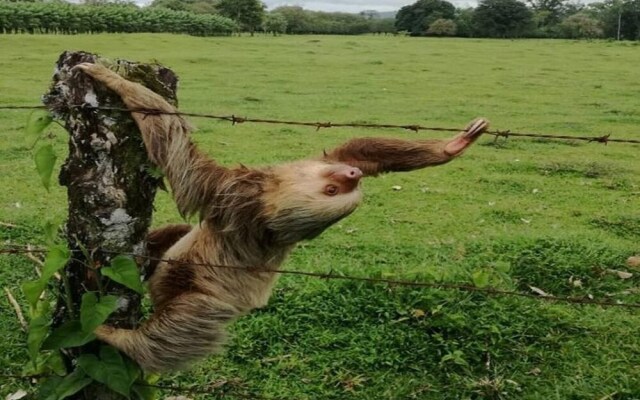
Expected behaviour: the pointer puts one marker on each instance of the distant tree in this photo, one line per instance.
(203, 7)
(442, 27)
(196, 6)
(581, 26)
(177, 5)
(275, 23)
(67, 18)
(502, 19)
(417, 17)
(383, 25)
(619, 18)
(370, 14)
(624, 15)
(248, 14)
(338, 23)
(573, 8)
(548, 12)
(297, 18)
(609, 14)
(301, 21)
(464, 22)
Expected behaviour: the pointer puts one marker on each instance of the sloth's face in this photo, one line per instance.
(309, 196)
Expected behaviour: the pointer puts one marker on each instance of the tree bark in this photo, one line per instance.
(109, 185)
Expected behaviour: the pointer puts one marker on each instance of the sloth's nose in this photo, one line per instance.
(346, 176)
(353, 173)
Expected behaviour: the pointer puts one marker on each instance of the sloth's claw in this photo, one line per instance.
(472, 132)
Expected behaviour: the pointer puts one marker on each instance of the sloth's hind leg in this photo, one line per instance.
(186, 329)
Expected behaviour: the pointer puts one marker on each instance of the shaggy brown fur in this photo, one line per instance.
(160, 240)
(248, 217)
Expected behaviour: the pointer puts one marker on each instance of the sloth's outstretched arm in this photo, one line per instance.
(378, 155)
(194, 178)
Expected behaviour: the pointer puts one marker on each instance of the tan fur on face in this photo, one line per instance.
(296, 204)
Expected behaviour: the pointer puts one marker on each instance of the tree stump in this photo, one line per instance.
(109, 184)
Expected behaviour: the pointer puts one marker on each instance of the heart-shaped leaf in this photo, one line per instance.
(110, 369)
(56, 388)
(56, 259)
(37, 122)
(69, 334)
(32, 291)
(45, 159)
(124, 271)
(94, 311)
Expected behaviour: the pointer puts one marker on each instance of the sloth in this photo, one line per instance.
(250, 218)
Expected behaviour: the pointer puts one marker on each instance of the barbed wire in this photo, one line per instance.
(490, 291)
(234, 119)
(208, 389)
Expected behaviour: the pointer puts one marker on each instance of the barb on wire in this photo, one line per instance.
(392, 282)
(318, 125)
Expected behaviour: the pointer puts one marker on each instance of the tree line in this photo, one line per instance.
(619, 19)
(65, 18)
(251, 16)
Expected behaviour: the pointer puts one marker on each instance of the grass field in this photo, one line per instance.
(522, 212)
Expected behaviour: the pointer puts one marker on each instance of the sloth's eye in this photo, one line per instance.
(331, 190)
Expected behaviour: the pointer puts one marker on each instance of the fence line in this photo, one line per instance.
(330, 275)
(318, 125)
(170, 388)
(490, 291)
(218, 395)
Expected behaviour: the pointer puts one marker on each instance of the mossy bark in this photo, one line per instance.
(109, 184)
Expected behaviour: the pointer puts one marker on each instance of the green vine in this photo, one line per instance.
(45, 343)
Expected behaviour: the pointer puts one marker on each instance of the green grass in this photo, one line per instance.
(527, 212)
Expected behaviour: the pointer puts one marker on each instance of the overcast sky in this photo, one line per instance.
(353, 5)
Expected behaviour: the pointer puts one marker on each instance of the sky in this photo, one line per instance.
(353, 6)
(350, 6)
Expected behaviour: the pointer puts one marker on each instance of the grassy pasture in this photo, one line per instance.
(521, 212)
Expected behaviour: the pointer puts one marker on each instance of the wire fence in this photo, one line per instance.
(212, 389)
(536, 294)
(234, 119)
(215, 391)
